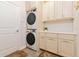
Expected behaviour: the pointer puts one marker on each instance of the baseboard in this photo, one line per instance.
(22, 47)
(7, 51)
(53, 53)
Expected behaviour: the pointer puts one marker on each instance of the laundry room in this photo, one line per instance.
(39, 28)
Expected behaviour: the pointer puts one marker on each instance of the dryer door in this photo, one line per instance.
(31, 18)
(30, 38)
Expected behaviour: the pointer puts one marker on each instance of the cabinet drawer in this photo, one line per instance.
(68, 41)
(52, 35)
(67, 36)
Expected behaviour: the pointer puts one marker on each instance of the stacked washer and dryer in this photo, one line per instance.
(31, 33)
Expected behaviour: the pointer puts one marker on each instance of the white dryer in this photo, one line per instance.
(32, 19)
(32, 40)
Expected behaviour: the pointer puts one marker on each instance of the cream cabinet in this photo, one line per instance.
(58, 9)
(45, 12)
(48, 42)
(42, 41)
(61, 44)
(51, 44)
(66, 46)
(67, 8)
(48, 11)
(51, 11)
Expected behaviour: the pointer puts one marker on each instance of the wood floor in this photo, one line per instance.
(31, 53)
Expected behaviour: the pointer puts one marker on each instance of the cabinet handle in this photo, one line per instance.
(66, 41)
(51, 39)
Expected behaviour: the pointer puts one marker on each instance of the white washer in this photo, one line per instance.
(32, 40)
(32, 19)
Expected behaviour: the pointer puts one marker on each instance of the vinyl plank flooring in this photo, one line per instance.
(31, 53)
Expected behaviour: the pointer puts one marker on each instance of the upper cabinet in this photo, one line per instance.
(51, 10)
(55, 10)
(67, 8)
(58, 9)
(45, 12)
(48, 11)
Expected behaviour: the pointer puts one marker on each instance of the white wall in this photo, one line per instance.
(60, 27)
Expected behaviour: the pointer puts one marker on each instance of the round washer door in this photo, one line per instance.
(31, 18)
(30, 38)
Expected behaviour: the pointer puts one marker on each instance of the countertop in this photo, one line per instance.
(72, 33)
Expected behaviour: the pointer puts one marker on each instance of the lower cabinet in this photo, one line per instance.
(60, 44)
(66, 48)
(51, 44)
(48, 42)
(43, 43)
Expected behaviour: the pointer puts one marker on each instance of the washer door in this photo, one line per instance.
(30, 38)
(31, 18)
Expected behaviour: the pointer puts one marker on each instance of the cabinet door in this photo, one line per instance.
(45, 11)
(58, 9)
(67, 8)
(66, 48)
(52, 45)
(43, 43)
(51, 10)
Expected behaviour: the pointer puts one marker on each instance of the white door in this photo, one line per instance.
(9, 25)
